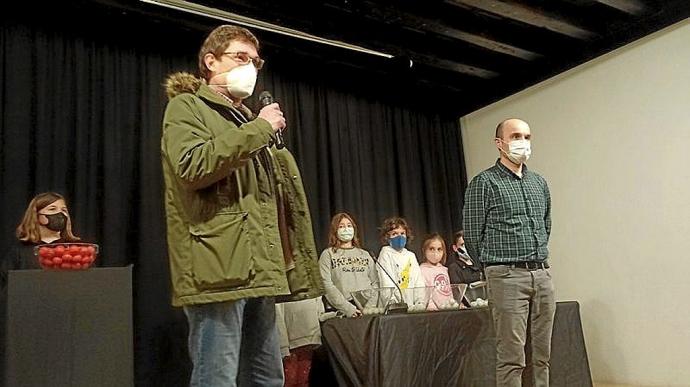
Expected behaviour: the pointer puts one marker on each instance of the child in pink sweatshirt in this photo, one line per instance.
(436, 274)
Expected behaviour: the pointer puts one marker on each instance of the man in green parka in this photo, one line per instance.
(239, 228)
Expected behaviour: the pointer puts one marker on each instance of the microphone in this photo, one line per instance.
(396, 307)
(265, 98)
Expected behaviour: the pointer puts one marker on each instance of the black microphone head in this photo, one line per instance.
(265, 98)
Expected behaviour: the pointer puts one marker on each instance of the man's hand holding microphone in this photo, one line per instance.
(271, 112)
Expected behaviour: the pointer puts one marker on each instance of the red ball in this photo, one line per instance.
(47, 262)
(59, 251)
(77, 259)
(57, 260)
(76, 265)
(74, 249)
(91, 250)
(66, 265)
(67, 258)
(43, 252)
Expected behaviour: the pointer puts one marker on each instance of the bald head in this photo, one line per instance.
(507, 127)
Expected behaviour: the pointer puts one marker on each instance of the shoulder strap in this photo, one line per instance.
(229, 113)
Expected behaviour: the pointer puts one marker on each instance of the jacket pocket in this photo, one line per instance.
(221, 252)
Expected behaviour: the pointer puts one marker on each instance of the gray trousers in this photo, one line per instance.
(520, 299)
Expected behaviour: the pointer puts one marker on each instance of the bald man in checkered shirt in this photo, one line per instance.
(507, 222)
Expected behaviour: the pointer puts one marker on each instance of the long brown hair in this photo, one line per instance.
(427, 242)
(333, 241)
(29, 231)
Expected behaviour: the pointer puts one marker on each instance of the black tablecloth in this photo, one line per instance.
(71, 328)
(455, 348)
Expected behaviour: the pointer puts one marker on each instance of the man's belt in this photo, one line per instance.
(529, 265)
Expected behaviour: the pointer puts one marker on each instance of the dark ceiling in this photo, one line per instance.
(470, 52)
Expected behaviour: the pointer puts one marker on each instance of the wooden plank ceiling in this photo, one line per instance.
(468, 52)
(477, 51)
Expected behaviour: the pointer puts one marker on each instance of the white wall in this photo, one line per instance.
(612, 138)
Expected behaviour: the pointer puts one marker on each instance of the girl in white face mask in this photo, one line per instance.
(436, 274)
(345, 266)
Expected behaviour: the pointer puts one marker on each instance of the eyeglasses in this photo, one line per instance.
(243, 57)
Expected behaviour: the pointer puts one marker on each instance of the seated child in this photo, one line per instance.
(398, 262)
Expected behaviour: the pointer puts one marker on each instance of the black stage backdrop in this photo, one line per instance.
(81, 105)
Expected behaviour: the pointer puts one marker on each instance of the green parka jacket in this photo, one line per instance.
(227, 197)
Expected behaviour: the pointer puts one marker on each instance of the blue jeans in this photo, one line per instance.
(234, 344)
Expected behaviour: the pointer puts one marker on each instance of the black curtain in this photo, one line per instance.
(80, 111)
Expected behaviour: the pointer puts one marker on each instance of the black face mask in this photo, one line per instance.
(56, 222)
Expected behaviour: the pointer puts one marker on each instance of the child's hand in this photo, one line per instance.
(357, 313)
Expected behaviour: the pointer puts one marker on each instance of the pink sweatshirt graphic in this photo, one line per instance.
(437, 277)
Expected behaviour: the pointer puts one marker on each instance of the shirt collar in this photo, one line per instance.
(205, 92)
(508, 172)
(208, 94)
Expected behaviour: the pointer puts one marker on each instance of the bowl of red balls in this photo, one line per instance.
(66, 256)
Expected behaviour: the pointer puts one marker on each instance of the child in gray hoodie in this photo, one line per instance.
(345, 266)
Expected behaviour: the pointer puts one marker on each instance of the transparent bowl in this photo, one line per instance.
(417, 299)
(477, 294)
(447, 297)
(373, 301)
(66, 256)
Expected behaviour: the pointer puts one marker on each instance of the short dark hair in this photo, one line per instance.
(499, 128)
(219, 39)
(458, 234)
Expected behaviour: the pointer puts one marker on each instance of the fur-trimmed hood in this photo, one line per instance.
(180, 83)
(184, 82)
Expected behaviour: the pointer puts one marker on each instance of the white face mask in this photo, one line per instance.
(346, 234)
(434, 257)
(241, 80)
(519, 151)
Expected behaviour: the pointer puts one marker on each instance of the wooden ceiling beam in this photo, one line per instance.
(380, 31)
(406, 19)
(527, 15)
(372, 34)
(454, 66)
(632, 7)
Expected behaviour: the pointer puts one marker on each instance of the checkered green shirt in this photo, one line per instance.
(507, 218)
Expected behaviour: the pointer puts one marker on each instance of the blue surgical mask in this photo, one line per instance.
(398, 242)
